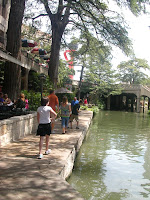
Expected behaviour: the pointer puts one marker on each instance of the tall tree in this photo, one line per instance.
(12, 73)
(94, 16)
(97, 75)
(132, 71)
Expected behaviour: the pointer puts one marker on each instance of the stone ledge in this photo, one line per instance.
(17, 127)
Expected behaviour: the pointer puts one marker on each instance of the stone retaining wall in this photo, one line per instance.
(17, 127)
(68, 167)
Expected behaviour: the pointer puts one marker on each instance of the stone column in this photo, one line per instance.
(108, 102)
(148, 102)
(25, 79)
(144, 105)
(127, 101)
(132, 101)
(138, 104)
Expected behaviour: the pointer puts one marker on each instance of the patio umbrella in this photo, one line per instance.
(28, 43)
(62, 90)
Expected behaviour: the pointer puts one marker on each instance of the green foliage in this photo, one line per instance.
(86, 16)
(97, 99)
(99, 78)
(146, 81)
(136, 6)
(63, 74)
(131, 71)
(95, 109)
(34, 99)
(34, 82)
(148, 112)
(100, 105)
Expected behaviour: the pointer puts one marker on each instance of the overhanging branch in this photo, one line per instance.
(33, 18)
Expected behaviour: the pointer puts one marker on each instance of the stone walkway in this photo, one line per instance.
(24, 177)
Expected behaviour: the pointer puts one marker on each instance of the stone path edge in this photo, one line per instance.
(65, 173)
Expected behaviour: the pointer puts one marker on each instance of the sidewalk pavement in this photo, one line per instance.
(24, 177)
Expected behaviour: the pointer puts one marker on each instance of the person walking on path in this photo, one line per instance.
(44, 127)
(74, 115)
(75, 101)
(53, 103)
(85, 102)
(65, 114)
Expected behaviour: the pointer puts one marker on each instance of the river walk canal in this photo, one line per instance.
(114, 160)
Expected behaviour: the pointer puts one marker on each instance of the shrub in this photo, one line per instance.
(34, 99)
(95, 109)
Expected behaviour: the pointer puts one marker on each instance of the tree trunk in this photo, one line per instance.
(12, 73)
(59, 21)
(54, 57)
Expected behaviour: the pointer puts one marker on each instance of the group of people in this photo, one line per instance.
(46, 115)
(4, 100)
(21, 102)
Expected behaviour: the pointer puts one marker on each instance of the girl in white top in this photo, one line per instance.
(44, 127)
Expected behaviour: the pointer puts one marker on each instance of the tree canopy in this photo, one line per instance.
(132, 71)
(97, 77)
(67, 16)
(92, 17)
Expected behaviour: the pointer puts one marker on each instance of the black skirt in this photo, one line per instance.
(44, 129)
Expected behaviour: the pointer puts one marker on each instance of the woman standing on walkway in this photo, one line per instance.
(65, 114)
(44, 128)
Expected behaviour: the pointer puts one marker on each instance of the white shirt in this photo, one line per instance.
(44, 114)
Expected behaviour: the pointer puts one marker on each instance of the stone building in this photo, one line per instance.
(25, 62)
(4, 15)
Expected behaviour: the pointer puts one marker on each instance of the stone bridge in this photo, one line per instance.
(138, 90)
(133, 92)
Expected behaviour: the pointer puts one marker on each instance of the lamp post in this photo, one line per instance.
(80, 82)
(42, 77)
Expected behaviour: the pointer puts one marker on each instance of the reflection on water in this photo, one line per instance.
(114, 160)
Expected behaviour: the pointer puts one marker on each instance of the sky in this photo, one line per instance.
(139, 33)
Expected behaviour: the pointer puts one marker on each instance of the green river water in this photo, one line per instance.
(114, 160)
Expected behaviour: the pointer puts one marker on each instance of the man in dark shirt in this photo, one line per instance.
(74, 115)
(75, 101)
